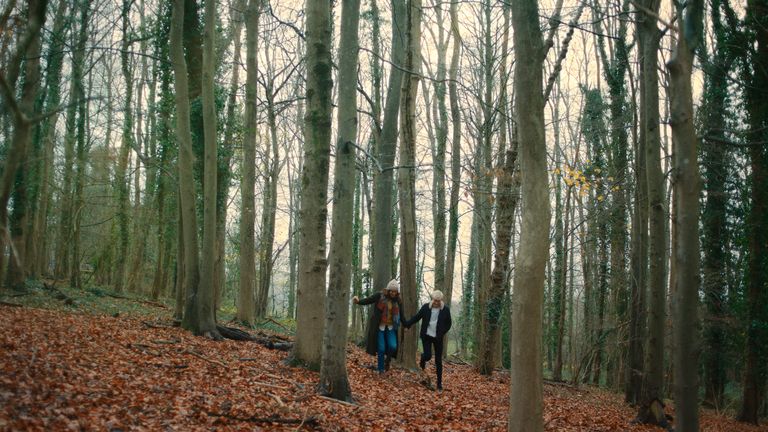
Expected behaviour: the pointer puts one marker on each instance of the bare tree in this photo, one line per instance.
(525, 339)
(687, 187)
(314, 181)
(333, 369)
(245, 299)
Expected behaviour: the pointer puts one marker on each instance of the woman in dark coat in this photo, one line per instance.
(435, 320)
(383, 324)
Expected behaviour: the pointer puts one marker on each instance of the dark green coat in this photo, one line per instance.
(371, 340)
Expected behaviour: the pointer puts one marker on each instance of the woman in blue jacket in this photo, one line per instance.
(435, 319)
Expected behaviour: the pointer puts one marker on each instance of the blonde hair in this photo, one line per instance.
(437, 295)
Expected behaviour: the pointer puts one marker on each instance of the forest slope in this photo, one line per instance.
(65, 370)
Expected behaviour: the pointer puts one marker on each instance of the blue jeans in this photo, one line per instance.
(387, 344)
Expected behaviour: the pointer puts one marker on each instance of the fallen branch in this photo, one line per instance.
(165, 342)
(274, 386)
(277, 399)
(58, 294)
(202, 357)
(330, 399)
(456, 360)
(234, 333)
(144, 348)
(156, 326)
(5, 303)
(146, 302)
(311, 420)
(272, 320)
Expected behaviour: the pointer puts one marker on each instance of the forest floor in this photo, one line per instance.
(85, 365)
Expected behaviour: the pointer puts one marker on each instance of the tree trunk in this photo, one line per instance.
(525, 334)
(505, 222)
(653, 381)
(30, 46)
(333, 369)
(237, 16)
(314, 185)
(189, 258)
(246, 297)
(438, 154)
(561, 290)
(639, 264)
(615, 70)
(121, 180)
(272, 171)
(686, 253)
(756, 369)
(385, 152)
(453, 203)
(37, 240)
(714, 215)
(82, 151)
(295, 192)
(483, 197)
(406, 179)
(199, 316)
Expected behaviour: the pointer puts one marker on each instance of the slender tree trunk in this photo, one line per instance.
(438, 155)
(237, 18)
(295, 191)
(453, 203)
(272, 171)
(756, 370)
(714, 215)
(333, 370)
(561, 291)
(121, 173)
(189, 271)
(483, 198)
(406, 179)
(385, 152)
(653, 380)
(525, 412)
(199, 316)
(180, 286)
(314, 185)
(246, 300)
(37, 254)
(505, 222)
(83, 148)
(638, 277)
(686, 250)
(614, 71)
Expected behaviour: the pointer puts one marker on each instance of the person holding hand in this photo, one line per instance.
(435, 319)
(383, 324)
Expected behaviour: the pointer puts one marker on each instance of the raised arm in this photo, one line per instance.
(373, 298)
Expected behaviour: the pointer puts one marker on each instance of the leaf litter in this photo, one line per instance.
(71, 371)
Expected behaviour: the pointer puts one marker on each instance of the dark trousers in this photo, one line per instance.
(428, 342)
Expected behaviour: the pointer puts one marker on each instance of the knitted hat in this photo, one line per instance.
(393, 285)
(437, 295)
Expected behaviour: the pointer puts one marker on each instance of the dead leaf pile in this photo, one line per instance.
(65, 371)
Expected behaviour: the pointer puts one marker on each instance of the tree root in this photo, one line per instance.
(653, 413)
